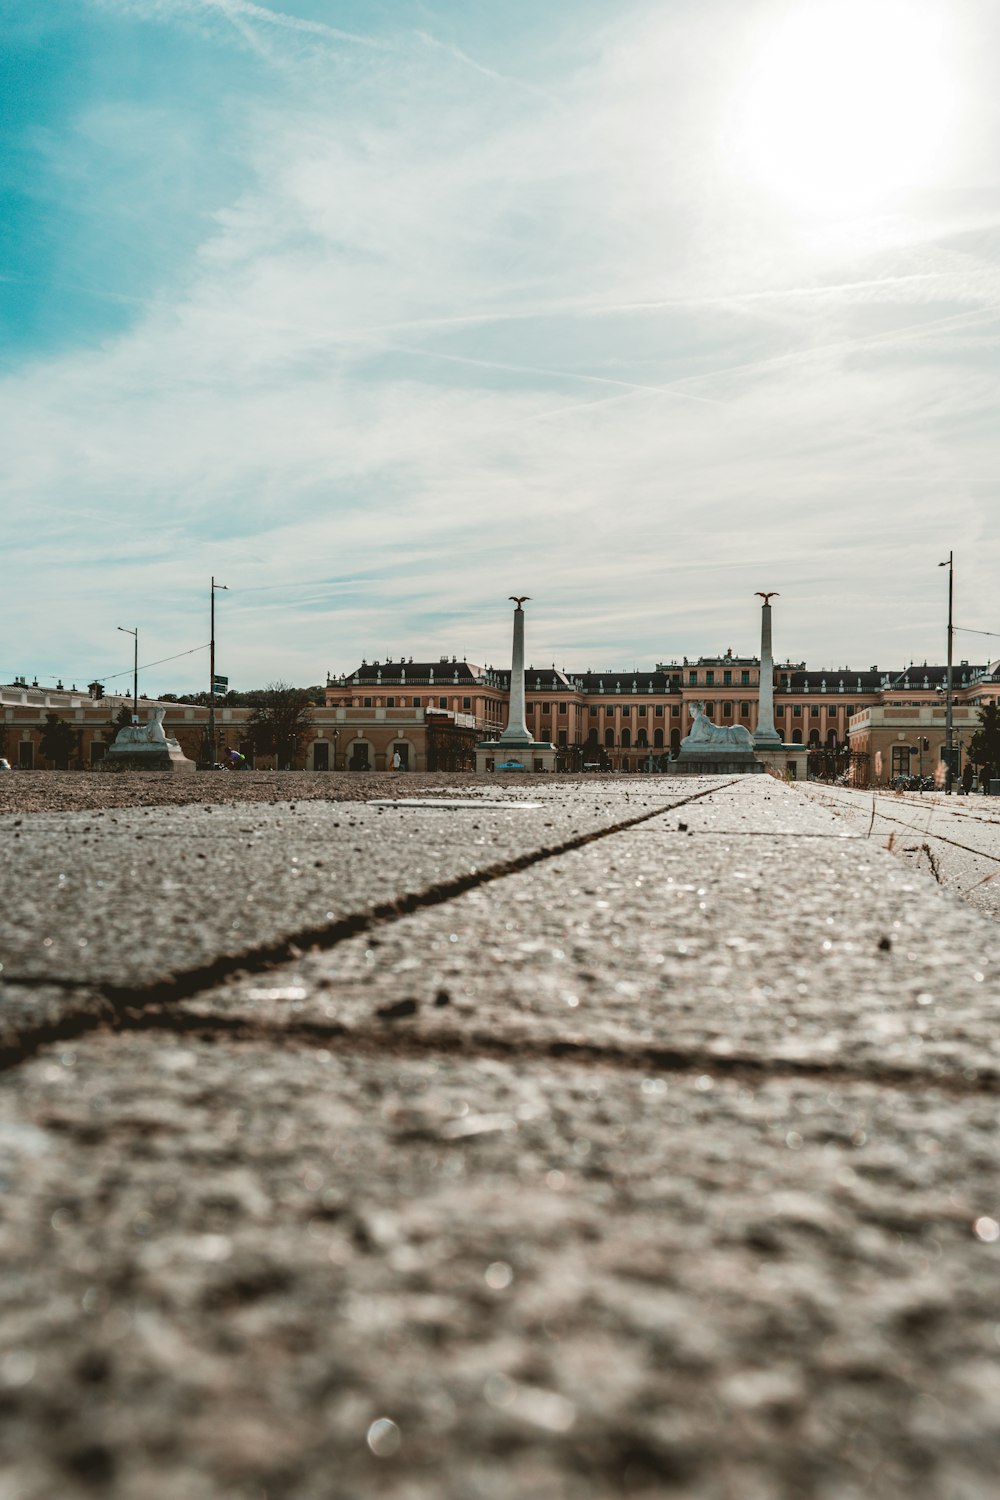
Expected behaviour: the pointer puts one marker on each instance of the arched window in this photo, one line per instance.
(796, 736)
(675, 741)
(626, 738)
(609, 739)
(831, 739)
(642, 739)
(658, 739)
(814, 736)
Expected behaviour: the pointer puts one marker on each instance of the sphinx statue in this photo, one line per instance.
(704, 734)
(150, 733)
(146, 747)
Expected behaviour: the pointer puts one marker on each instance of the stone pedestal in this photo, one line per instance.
(500, 755)
(704, 760)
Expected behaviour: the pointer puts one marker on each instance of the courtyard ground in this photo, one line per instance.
(570, 1140)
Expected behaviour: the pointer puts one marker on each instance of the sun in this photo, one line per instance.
(848, 103)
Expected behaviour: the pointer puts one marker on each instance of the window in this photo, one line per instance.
(710, 710)
(797, 714)
(727, 710)
(442, 703)
(368, 703)
(593, 711)
(658, 710)
(642, 710)
(831, 709)
(814, 710)
(744, 679)
(626, 710)
(850, 709)
(693, 679)
(779, 712)
(546, 707)
(609, 738)
(562, 739)
(626, 739)
(727, 679)
(390, 703)
(675, 710)
(562, 708)
(744, 710)
(658, 739)
(466, 702)
(709, 679)
(642, 739)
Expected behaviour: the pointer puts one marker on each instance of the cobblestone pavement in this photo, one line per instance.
(641, 1142)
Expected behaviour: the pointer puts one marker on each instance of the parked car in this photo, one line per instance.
(4, 764)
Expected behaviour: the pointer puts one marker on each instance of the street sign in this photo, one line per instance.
(221, 684)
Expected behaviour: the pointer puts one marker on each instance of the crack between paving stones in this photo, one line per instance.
(390, 1038)
(113, 1002)
(938, 838)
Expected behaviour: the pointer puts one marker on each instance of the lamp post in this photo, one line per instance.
(135, 672)
(211, 670)
(950, 565)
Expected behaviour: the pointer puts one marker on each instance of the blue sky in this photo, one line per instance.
(381, 312)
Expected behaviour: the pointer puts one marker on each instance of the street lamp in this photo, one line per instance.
(211, 670)
(135, 673)
(950, 565)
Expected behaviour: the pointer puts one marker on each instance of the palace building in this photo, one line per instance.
(432, 713)
(626, 721)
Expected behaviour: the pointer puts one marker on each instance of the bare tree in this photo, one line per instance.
(279, 721)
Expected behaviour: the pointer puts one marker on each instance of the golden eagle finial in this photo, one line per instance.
(767, 597)
(519, 601)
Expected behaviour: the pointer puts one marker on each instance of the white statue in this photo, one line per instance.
(704, 732)
(151, 733)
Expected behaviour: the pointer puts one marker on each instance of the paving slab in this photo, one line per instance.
(302, 1273)
(954, 839)
(136, 896)
(821, 951)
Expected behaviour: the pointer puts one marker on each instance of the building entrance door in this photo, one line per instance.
(321, 756)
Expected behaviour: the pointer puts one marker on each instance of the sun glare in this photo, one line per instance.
(850, 102)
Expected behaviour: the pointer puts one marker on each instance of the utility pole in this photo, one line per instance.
(948, 748)
(135, 672)
(211, 670)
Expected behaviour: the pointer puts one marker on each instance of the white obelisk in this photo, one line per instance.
(765, 733)
(516, 732)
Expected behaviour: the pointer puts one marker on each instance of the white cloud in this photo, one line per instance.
(459, 337)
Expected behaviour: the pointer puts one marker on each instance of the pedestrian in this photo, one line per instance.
(968, 777)
(397, 760)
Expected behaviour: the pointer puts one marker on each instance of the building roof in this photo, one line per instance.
(445, 669)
